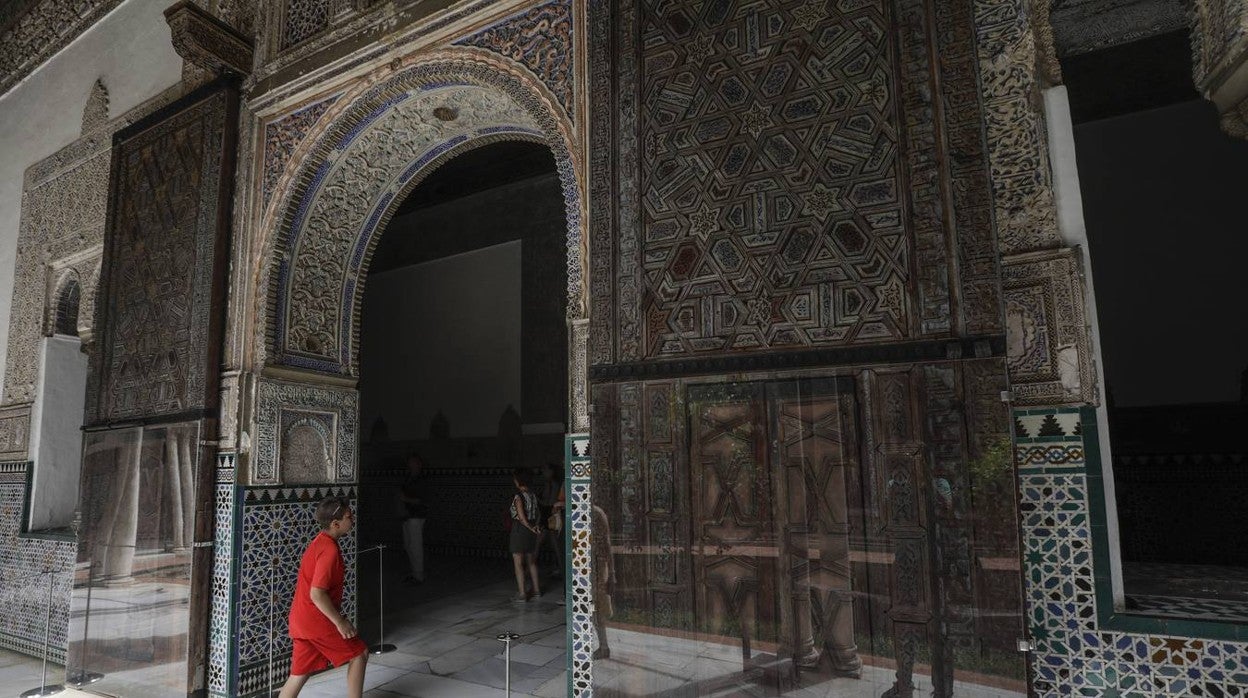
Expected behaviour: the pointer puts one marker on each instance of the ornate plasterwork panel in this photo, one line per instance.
(540, 39)
(1025, 207)
(157, 344)
(14, 432)
(578, 374)
(305, 450)
(63, 214)
(769, 202)
(303, 19)
(377, 145)
(282, 136)
(703, 107)
(1048, 348)
(291, 418)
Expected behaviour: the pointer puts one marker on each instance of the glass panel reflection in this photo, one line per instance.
(129, 616)
(830, 536)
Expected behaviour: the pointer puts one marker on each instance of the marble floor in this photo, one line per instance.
(445, 634)
(1203, 592)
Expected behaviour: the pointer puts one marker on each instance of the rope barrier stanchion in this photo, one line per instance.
(381, 647)
(507, 638)
(272, 612)
(83, 676)
(44, 689)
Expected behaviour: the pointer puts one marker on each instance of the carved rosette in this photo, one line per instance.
(1048, 340)
(305, 433)
(372, 147)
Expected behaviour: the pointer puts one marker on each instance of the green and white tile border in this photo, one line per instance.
(1084, 646)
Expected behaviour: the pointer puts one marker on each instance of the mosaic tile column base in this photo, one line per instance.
(581, 622)
(273, 527)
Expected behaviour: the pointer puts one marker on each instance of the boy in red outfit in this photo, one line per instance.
(321, 635)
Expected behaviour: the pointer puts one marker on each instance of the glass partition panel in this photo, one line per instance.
(823, 536)
(129, 615)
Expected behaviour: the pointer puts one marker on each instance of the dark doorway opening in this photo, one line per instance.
(463, 369)
(1159, 180)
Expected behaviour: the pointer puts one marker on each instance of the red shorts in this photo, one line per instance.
(311, 655)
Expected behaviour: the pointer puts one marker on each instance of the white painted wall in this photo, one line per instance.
(442, 335)
(1061, 131)
(131, 50)
(55, 431)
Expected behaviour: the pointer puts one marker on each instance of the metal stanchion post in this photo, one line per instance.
(83, 676)
(507, 638)
(272, 607)
(44, 689)
(381, 647)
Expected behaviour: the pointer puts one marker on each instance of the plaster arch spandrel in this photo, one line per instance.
(373, 146)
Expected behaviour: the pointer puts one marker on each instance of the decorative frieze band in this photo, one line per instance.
(46, 28)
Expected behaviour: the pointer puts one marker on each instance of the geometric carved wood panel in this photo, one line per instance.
(770, 190)
(162, 277)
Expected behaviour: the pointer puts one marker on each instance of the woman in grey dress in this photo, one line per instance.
(526, 534)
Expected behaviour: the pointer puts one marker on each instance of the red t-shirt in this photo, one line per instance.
(322, 568)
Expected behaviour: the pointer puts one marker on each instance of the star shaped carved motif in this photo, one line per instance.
(700, 48)
(823, 202)
(704, 221)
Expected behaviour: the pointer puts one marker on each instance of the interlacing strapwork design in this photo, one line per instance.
(303, 20)
(770, 199)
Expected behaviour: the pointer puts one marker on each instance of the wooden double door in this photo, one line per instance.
(776, 509)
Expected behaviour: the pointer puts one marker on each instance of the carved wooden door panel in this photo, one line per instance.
(815, 465)
(734, 547)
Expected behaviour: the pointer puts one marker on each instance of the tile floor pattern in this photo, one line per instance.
(446, 647)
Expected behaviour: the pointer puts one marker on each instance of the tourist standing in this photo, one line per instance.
(416, 506)
(525, 534)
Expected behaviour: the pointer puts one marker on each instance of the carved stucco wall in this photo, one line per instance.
(1220, 59)
(1049, 344)
(55, 169)
(377, 145)
(329, 171)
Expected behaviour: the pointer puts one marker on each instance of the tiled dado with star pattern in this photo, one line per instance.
(1084, 646)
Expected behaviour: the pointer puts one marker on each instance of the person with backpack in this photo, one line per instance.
(525, 536)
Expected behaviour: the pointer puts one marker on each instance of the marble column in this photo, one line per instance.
(119, 553)
(173, 492)
(186, 438)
